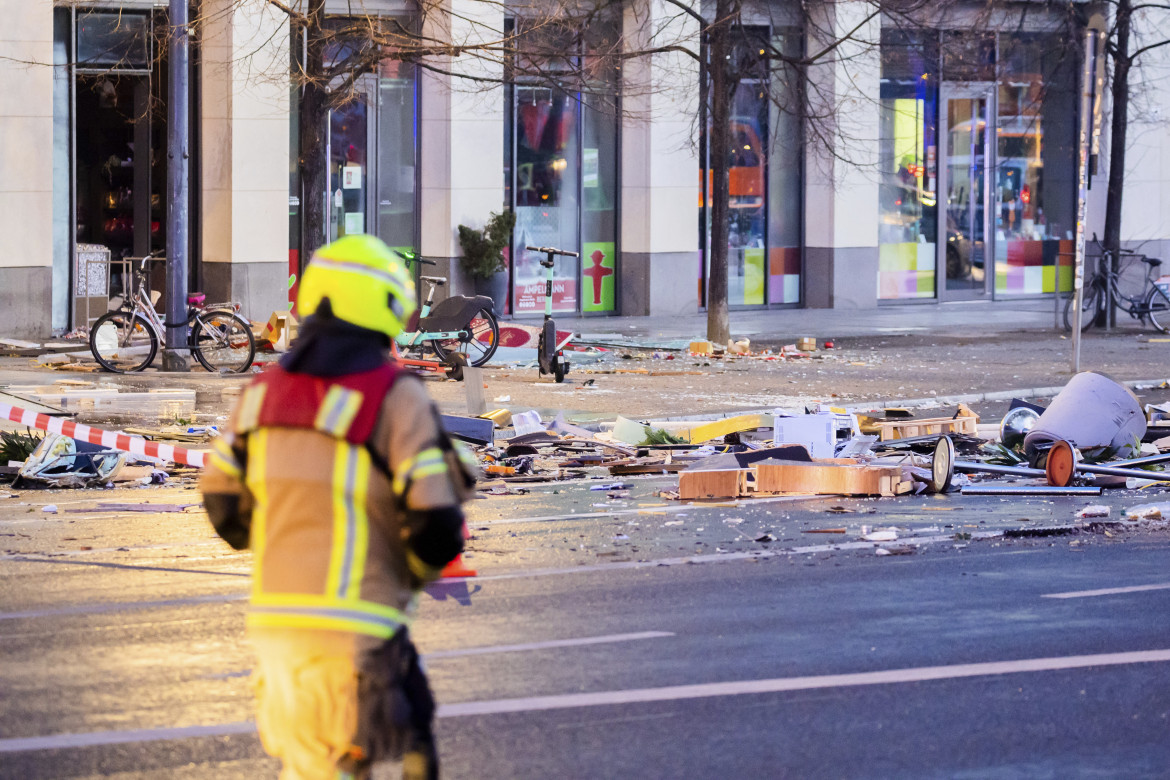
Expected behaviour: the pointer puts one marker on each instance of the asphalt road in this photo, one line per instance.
(645, 641)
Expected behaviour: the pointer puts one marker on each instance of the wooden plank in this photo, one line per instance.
(828, 479)
(730, 483)
(618, 469)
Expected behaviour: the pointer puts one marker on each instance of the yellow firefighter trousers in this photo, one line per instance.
(306, 707)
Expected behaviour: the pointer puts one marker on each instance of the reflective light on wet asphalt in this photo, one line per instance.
(634, 696)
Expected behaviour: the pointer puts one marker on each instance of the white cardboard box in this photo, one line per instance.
(817, 432)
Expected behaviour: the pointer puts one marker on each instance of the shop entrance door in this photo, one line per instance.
(966, 254)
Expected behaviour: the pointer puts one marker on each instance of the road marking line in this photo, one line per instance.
(784, 684)
(121, 606)
(552, 643)
(1081, 594)
(633, 696)
(488, 649)
(100, 738)
(440, 585)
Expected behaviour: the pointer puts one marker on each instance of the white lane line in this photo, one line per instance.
(1081, 594)
(489, 649)
(99, 738)
(122, 606)
(634, 696)
(783, 684)
(85, 609)
(552, 643)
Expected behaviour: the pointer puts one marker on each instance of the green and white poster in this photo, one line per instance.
(598, 277)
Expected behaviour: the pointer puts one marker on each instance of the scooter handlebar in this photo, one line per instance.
(548, 250)
(413, 258)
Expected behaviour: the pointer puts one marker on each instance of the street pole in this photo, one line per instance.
(1087, 72)
(175, 358)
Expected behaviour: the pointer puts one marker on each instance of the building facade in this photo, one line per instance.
(872, 162)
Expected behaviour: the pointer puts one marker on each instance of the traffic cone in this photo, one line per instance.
(457, 568)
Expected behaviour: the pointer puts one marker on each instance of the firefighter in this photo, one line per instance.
(335, 471)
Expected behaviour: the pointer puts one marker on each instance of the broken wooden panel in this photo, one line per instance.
(729, 483)
(848, 479)
(932, 426)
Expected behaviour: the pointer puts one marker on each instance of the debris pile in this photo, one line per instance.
(1063, 449)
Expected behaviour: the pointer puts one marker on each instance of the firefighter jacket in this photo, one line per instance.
(344, 489)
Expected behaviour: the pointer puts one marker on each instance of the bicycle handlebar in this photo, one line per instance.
(548, 250)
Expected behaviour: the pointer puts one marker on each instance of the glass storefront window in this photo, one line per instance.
(745, 234)
(113, 39)
(372, 149)
(397, 152)
(907, 229)
(1035, 182)
(546, 192)
(562, 171)
(764, 179)
(785, 185)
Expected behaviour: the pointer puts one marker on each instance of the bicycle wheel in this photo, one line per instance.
(122, 342)
(482, 338)
(222, 342)
(1158, 308)
(1089, 304)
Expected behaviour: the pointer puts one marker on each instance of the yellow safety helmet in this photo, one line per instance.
(366, 282)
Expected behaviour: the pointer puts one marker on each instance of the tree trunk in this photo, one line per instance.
(312, 116)
(722, 86)
(1117, 130)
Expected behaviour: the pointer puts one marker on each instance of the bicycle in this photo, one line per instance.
(459, 325)
(1101, 292)
(126, 339)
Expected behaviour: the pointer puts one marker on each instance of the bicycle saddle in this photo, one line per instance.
(1153, 262)
(454, 313)
(437, 281)
(196, 298)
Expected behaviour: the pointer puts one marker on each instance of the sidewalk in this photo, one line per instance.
(972, 318)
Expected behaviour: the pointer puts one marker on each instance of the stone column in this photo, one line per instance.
(462, 132)
(841, 184)
(26, 168)
(245, 155)
(659, 257)
(1145, 204)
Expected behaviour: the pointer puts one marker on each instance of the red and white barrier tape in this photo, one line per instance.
(135, 445)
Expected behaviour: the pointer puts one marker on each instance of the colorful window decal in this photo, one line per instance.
(906, 270)
(784, 275)
(1033, 267)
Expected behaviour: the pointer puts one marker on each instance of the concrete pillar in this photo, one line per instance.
(26, 168)
(462, 132)
(660, 163)
(841, 185)
(245, 155)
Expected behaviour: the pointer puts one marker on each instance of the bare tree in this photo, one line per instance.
(1134, 29)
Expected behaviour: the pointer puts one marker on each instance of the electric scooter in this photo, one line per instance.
(549, 353)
